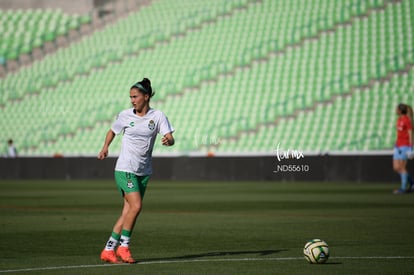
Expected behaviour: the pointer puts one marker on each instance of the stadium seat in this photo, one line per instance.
(232, 76)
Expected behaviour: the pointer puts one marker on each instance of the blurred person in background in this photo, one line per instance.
(403, 147)
(11, 149)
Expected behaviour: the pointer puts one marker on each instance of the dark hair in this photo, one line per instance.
(144, 86)
(403, 108)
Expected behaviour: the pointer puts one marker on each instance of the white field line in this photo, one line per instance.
(197, 260)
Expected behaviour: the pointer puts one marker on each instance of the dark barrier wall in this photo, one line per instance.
(311, 168)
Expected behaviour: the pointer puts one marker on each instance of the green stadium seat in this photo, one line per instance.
(222, 71)
(29, 29)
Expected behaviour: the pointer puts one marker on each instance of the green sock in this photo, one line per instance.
(125, 238)
(113, 241)
(126, 233)
(116, 236)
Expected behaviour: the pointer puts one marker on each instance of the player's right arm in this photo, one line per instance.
(108, 139)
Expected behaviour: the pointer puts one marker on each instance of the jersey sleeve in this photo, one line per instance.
(118, 125)
(165, 126)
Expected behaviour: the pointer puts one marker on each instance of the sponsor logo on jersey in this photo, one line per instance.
(151, 125)
(132, 124)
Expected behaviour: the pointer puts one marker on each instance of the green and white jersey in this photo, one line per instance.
(138, 139)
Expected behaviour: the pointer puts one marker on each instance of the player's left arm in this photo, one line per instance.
(410, 132)
(168, 139)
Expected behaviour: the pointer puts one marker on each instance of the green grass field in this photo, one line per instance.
(60, 227)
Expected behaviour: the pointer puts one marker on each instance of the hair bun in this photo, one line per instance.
(146, 81)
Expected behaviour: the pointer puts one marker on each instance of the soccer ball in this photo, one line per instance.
(316, 251)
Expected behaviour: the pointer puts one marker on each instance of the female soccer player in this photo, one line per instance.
(403, 146)
(140, 126)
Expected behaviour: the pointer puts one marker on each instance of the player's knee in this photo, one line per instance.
(397, 167)
(135, 207)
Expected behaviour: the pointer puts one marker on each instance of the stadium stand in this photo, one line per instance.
(25, 30)
(239, 76)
